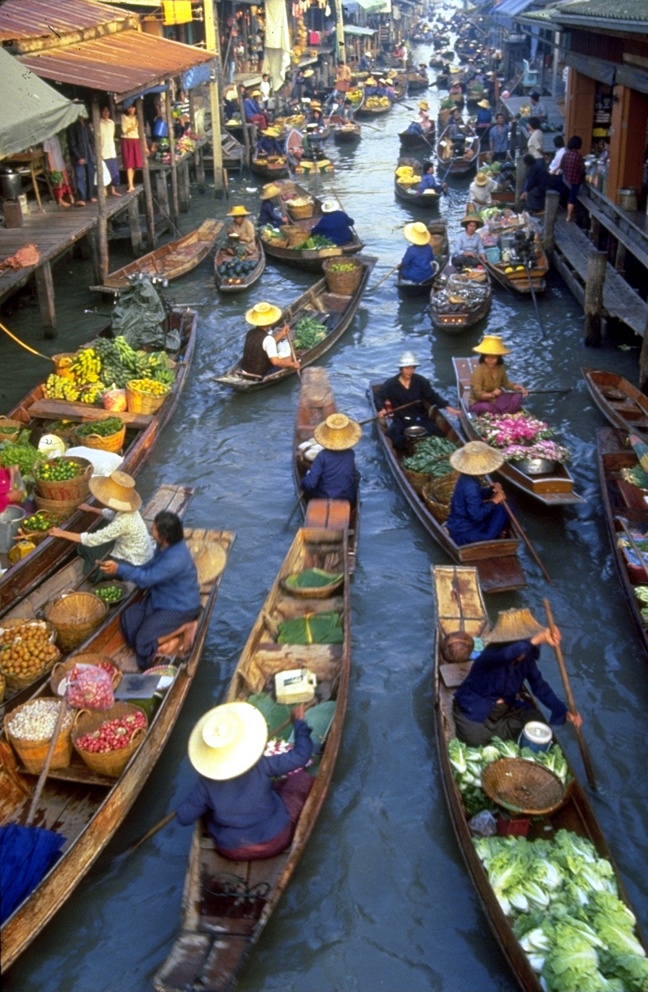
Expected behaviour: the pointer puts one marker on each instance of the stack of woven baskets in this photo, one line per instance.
(9, 429)
(63, 496)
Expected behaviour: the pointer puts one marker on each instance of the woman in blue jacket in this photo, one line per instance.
(476, 511)
(334, 223)
(418, 263)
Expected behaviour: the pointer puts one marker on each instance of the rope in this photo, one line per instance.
(22, 344)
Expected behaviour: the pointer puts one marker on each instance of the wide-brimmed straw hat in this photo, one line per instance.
(239, 211)
(472, 218)
(263, 314)
(256, 92)
(513, 625)
(389, 82)
(424, 105)
(272, 132)
(338, 432)
(228, 741)
(481, 179)
(270, 191)
(329, 205)
(492, 344)
(116, 491)
(370, 81)
(308, 73)
(417, 233)
(315, 105)
(476, 458)
(484, 104)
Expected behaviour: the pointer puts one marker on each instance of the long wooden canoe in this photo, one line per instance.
(170, 261)
(555, 488)
(335, 312)
(623, 500)
(70, 577)
(454, 312)
(34, 410)
(459, 606)
(513, 272)
(621, 403)
(83, 806)
(344, 131)
(451, 164)
(308, 259)
(439, 232)
(413, 141)
(236, 284)
(227, 904)
(429, 200)
(270, 167)
(316, 403)
(497, 561)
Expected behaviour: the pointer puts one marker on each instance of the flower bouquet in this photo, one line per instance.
(520, 437)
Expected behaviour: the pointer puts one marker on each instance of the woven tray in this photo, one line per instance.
(523, 786)
(76, 615)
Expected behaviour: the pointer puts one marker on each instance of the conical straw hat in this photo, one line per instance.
(476, 458)
(227, 741)
(513, 625)
(492, 344)
(338, 432)
(263, 314)
(116, 491)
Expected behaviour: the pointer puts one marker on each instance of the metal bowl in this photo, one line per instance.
(415, 433)
(535, 466)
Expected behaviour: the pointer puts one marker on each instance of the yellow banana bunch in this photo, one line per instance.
(86, 367)
(93, 393)
(58, 388)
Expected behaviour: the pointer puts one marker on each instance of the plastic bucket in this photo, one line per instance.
(10, 520)
(536, 735)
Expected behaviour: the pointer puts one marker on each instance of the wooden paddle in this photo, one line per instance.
(589, 771)
(149, 833)
(381, 281)
(48, 761)
(403, 406)
(520, 530)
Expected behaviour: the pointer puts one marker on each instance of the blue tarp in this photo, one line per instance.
(26, 856)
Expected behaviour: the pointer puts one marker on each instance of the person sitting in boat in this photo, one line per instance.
(457, 134)
(12, 492)
(231, 104)
(251, 801)
(364, 65)
(484, 117)
(430, 181)
(333, 474)
(315, 116)
(418, 263)
(491, 701)
(269, 144)
(390, 92)
(489, 380)
(253, 110)
(408, 389)
(476, 513)
(468, 245)
(370, 86)
(334, 223)
(481, 189)
(267, 346)
(422, 70)
(536, 182)
(240, 225)
(123, 534)
(424, 117)
(173, 599)
(269, 213)
(538, 108)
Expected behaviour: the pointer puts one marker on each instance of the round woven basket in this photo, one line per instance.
(342, 283)
(63, 668)
(112, 763)
(417, 479)
(33, 753)
(68, 489)
(142, 402)
(112, 442)
(522, 786)
(10, 429)
(300, 211)
(15, 682)
(442, 488)
(313, 592)
(294, 235)
(439, 510)
(61, 508)
(76, 615)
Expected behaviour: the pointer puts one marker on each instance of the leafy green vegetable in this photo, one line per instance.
(431, 457)
(25, 456)
(308, 333)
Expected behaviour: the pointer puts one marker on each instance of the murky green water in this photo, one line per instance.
(381, 900)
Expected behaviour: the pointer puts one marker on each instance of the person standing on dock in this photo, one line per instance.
(80, 145)
(573, 169)
(108, 149)
(498, 139)
(130, 145)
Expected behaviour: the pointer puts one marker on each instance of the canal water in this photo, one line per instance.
(381, 899)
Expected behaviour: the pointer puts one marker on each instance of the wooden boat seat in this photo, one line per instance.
(328, 513)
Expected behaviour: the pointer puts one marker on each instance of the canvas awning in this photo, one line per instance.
(34, 112)
(123, 63)
(353, 29)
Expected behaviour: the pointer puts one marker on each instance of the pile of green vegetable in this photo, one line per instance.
(563, 900)
(308, 332)
(315, 241)
(104, 428)
(431, 457)
(24, 455)
(120, 363)
(641, 593)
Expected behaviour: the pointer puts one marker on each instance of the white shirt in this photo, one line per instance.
(534, 144)
(107, 138)
(264, 86)
(133, 542)
(556, 160)
(274, 348)
(482, 194)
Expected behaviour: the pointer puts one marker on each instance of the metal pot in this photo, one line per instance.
(457, 646)
(413, 435)
(10, 185)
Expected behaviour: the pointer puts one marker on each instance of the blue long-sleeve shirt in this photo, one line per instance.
(429, 181)
(417, 263)
(469, 508)
(246, 810)
(494, 676)
(336, 226)
(332, 476)
(170, 576)
(269, 214)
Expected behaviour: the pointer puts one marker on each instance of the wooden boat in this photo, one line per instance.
(460, 606)
(316, 403)
(371, 109)
(227, 904)
(412, 141)
(235, 284)
(417, 82)
(620, 402)
(305, 153)
(35, 411)
(623, 500)
(308, 259)
(521, 279)
(429, 200)
(439, 233)
(552, 488)
(170, 261)
(333, 311)
(69, 577)
(344, 131)
(449, 162)
(521, 270)
(496, 561)
(270, 167)
(82, 805)
(460, 301)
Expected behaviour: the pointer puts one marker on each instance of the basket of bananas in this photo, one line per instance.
(146, 395)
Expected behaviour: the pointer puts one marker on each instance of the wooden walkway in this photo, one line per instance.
(572, 247)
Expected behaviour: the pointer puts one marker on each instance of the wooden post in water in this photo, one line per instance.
(102, 220)
(134, 224)
(593, 305)
(552, 201)
(146, 177)
(198, 154)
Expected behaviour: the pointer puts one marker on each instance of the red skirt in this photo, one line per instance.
(131, 153)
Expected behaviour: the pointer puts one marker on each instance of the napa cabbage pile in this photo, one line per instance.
(563, 901)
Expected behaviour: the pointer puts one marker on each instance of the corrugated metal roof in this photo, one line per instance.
(617, 10)
(43, 18)
(123, 63)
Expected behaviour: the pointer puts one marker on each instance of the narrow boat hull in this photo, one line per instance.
(170, 261)
(236, 284)
(622, 404)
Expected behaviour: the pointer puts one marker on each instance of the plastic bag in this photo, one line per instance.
(483, 824)
(115, 400)
(90, 688)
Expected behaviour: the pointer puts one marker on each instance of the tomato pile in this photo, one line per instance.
(113, 735)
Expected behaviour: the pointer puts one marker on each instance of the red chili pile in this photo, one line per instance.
(113, 735)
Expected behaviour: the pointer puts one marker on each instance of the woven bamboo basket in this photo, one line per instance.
(33, 753)
(15, 681)
(278, 240)
(342, 283)
(139, 402)
(313, 592)
(36, 536)
(3, 686)
(10, 429)
(294, 236)
(417, 479)
(63, 668)
(439, 510)
(69, 489)
(61, 508)
(76, 615)
(300, 211)
(112, 763)
(442, 488)
(522, 786)
(112, 442)
(64, 430)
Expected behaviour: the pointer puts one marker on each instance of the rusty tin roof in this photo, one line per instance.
(34, 19)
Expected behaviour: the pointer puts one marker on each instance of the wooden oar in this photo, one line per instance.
(535, 301)
(292, 512)
(149, 833)
(403, 406)
(48, 761)
(381, 281)
(520, 530)
(589, 771)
